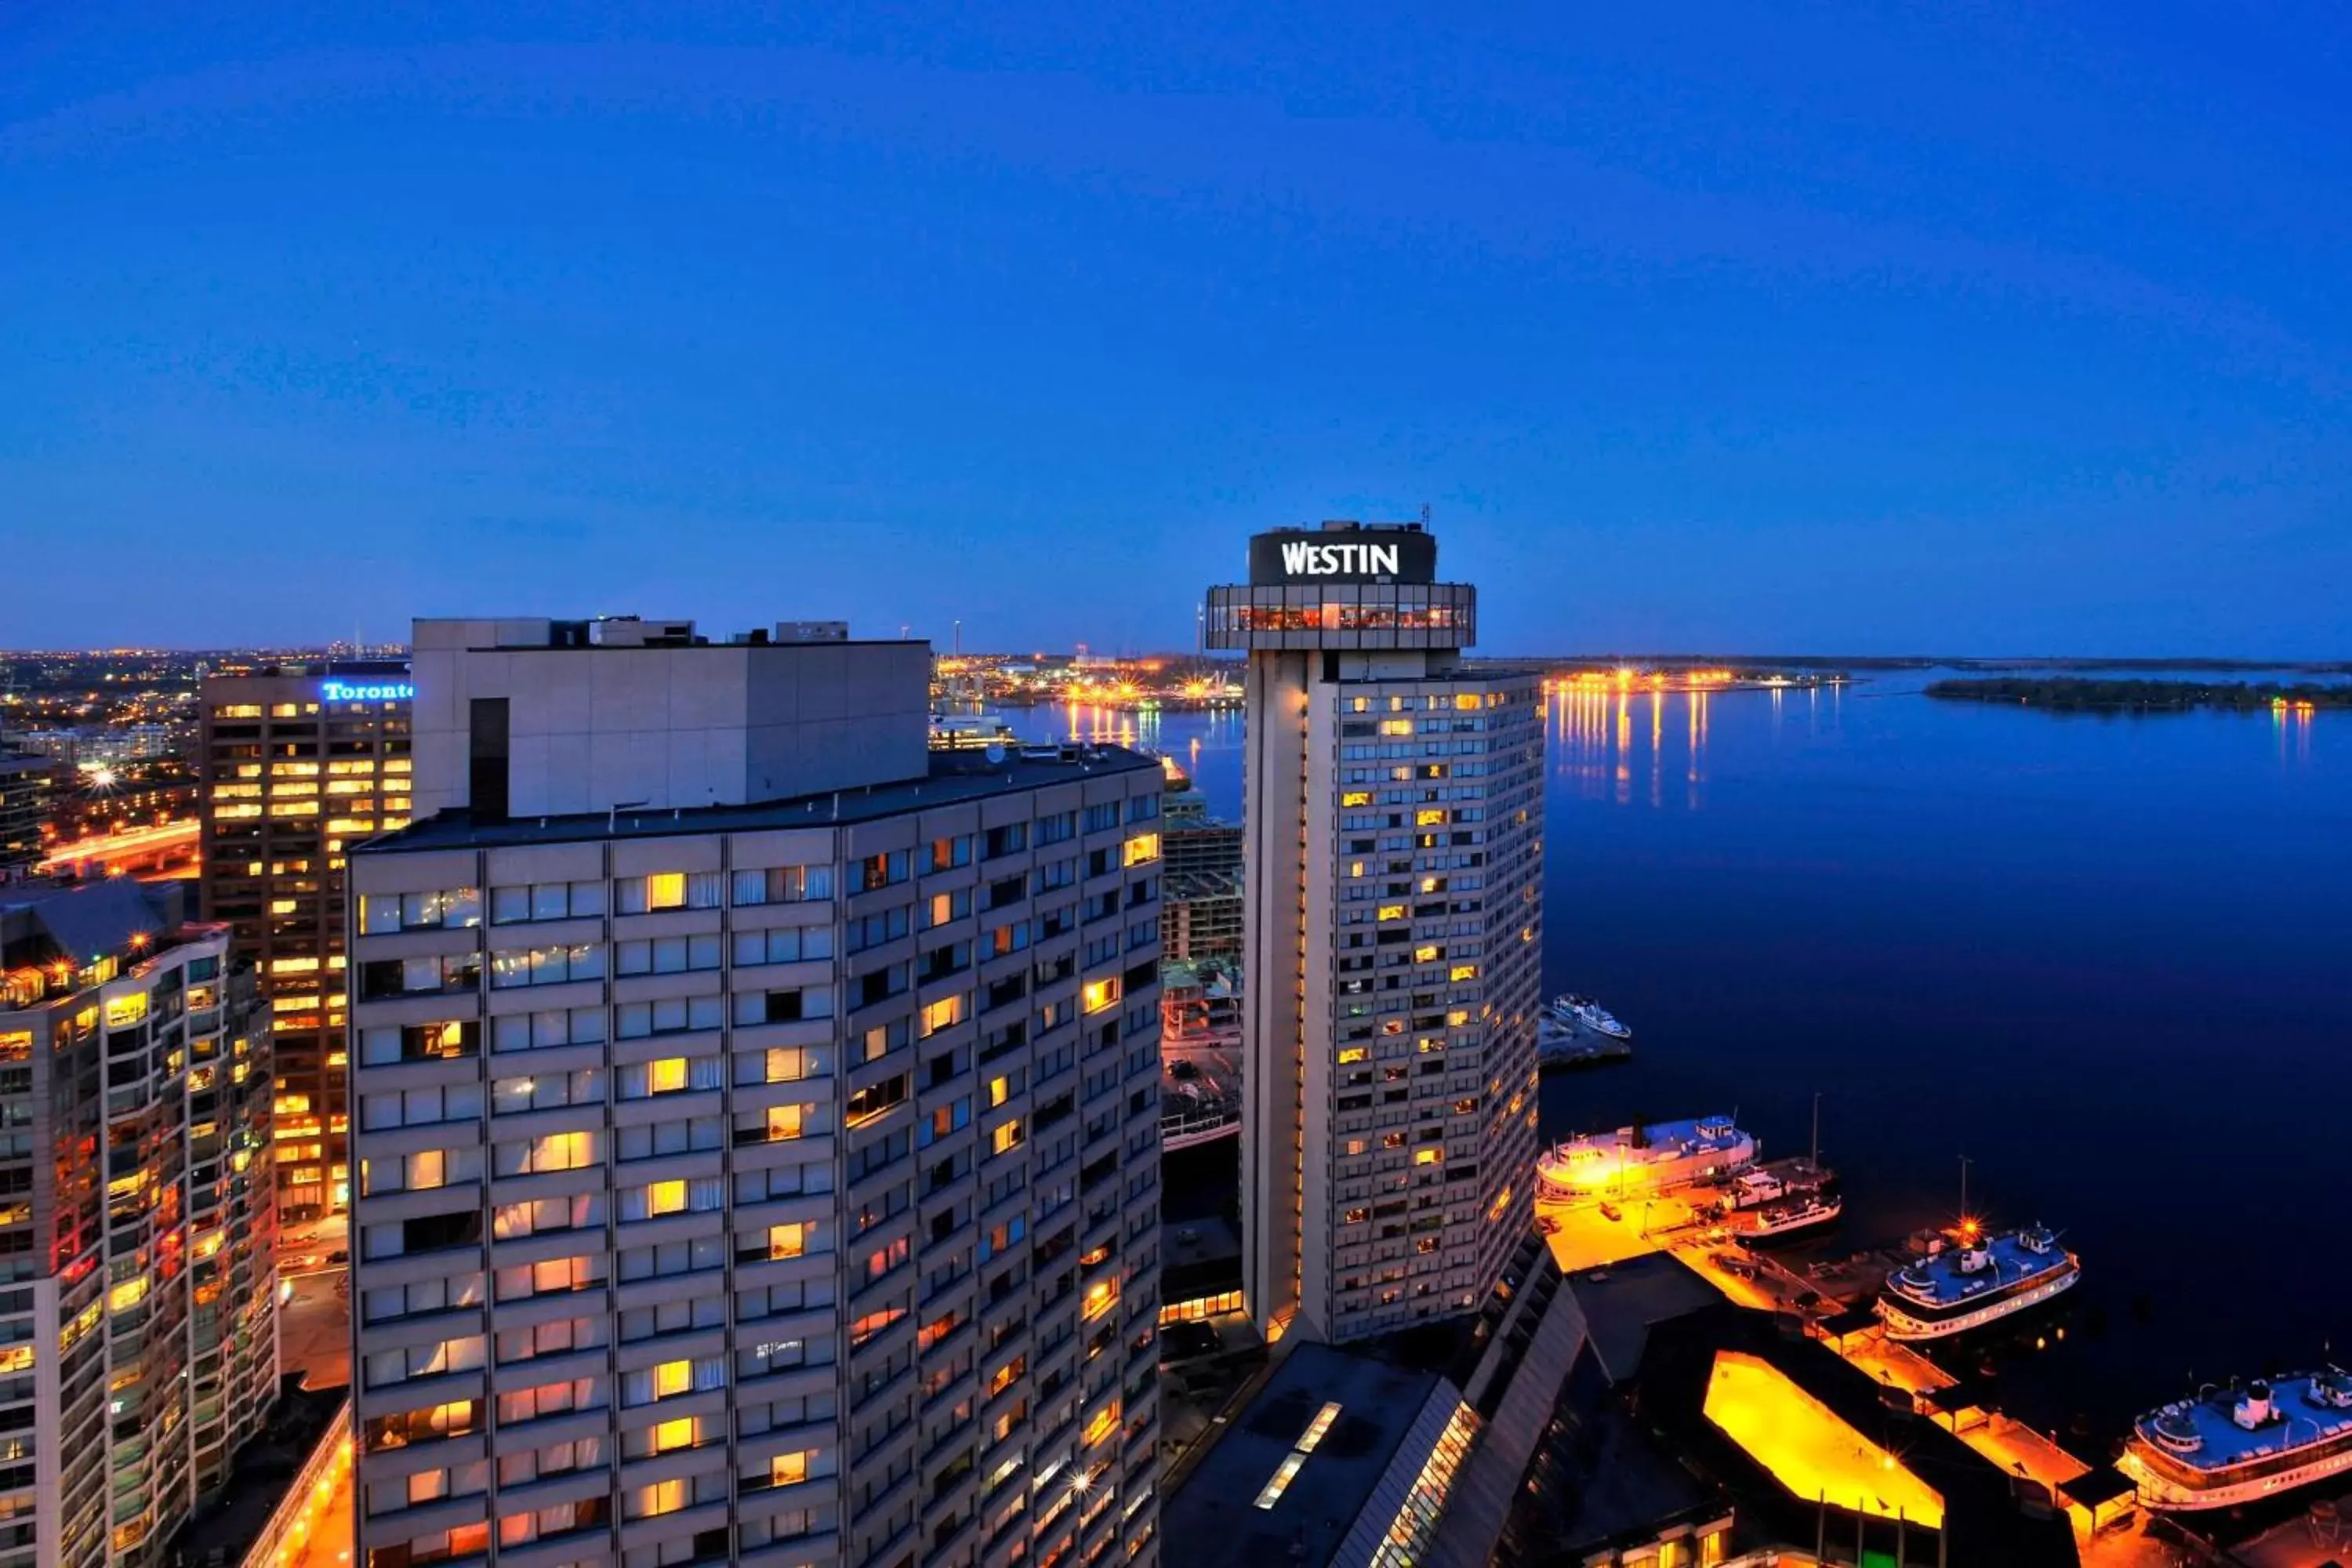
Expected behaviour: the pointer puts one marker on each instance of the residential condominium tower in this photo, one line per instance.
(300, 761)
(138, 1298)
(1392, 935)
(757, 1118)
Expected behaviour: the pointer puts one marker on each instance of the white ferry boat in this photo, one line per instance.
(1559, 1045)
(1791, 1219)
(1978, 1281)
(1584, 1013)
(1642, 1160)
(2232, 1447)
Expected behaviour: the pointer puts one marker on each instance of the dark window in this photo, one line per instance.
(487, 778)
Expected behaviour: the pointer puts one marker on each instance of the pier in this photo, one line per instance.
(1834, 1300)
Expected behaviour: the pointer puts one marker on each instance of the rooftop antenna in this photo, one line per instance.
(613, 818)
(1424, 514)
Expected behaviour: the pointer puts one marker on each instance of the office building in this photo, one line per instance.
(758, 1118)
(138, 1299)
(27, 798)
(299, 762)
(1391, 934)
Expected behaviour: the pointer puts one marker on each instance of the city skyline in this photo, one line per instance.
(1709, 334)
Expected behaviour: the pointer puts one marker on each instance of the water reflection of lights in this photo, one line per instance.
(1596, 746)
(2293, 719)
(1113, 726)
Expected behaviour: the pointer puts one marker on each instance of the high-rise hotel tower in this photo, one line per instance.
(756, 1119)
(1392, 935)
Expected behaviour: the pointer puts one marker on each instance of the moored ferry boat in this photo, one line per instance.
(1791, 1219)
(1978, 1280)
(1640, 1160)
(1584, 1013)
(2241, 1446)
(1559, 1045)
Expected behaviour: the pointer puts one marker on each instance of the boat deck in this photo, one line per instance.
(1937, 1281)
(2221, 1443)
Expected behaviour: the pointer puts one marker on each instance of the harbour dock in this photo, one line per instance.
(1834, 1302)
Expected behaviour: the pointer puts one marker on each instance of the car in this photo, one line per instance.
(1609, 1211)
(1737, 1267)
(339, 1256)
(1547, 1225)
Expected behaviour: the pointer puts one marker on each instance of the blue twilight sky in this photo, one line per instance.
(1957, 326)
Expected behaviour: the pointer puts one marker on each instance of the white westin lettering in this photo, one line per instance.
(1304, 559)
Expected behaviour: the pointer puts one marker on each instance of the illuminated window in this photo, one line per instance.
(789, 1470)
(1429, 816)
(784, 1121)
(665, 891)
(1396, 726)
(1464, 971)
(1103, 1423)
(672, 1378)
(1143, 847)
(1100, 994)
(939, 1014)
(999, 1090)
(683, 1433)
(1427, 1156)
(1427, 954)
(1355, 1054)
(662, 1497)
(787, 1240)
(665, 1197)
(1391, 912)
(1356, 798)
(665, 1075)
(1006, 1139)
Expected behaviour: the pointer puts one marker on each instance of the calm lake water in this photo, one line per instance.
(2109, 960)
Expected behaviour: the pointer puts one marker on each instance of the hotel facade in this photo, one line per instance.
(757, 1127)
(1392, 935)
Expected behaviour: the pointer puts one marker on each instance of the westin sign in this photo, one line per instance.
(1385, 555)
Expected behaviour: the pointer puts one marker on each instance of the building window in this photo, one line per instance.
(662, 891)
(784, 885)
(451, 908)
(546, 901)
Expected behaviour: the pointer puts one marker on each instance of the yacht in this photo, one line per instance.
(2238, 1445)
(1559, 1045)
(1639, 1161)
(1584, 1013)
(1974, 1281)
(1796, 1218)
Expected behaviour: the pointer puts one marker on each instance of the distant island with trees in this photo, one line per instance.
(2077, 694)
